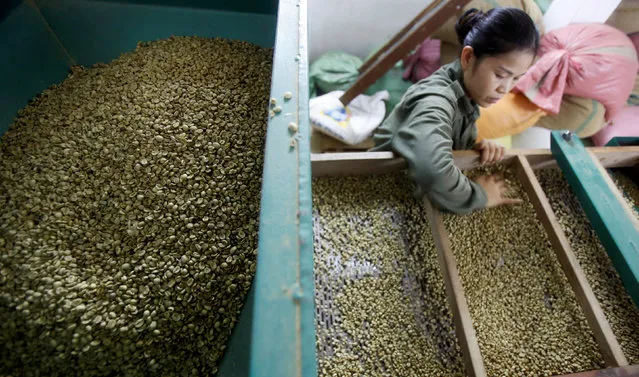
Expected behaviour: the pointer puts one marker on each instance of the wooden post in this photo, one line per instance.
(629, 371)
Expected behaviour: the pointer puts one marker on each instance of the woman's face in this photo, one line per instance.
(494, 76)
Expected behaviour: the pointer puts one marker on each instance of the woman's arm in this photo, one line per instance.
(425, 142)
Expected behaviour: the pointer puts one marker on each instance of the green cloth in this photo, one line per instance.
(394, 82)
(434, 118)
(333, 71)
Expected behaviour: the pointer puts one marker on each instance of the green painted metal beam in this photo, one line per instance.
(236, 360)
(612, 220)
(283, 342)
(6, 7)
(31, 59)
(244, 6)
(98, 31)
(623, 140)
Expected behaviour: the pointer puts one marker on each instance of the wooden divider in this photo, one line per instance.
(524, 162)
(365, 163)
(613, 187)
(629, 371)
(455, 293)
(608, 345)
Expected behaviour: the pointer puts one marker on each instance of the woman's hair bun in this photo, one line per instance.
(466, 22)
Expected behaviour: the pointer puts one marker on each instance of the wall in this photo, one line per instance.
(245, 6)
(99, 31)
(31, 59)
(357, 26)
(41, 39)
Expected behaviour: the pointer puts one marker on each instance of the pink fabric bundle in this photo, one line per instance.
(423, 62)
(593, 61)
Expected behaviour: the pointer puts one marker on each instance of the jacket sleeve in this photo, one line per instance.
(424, 140)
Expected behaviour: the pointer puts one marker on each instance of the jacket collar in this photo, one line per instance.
(466, 105)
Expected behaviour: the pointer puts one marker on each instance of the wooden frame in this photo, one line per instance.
(364, 163)
(629, 371)
(608, 345)
(524, 162)
(455, 294)
(426, 22)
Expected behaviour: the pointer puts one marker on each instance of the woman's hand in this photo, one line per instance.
(495, 189)
(491, 152)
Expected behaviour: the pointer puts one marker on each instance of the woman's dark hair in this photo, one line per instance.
(498, 31)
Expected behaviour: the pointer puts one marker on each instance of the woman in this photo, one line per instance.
(437, 115)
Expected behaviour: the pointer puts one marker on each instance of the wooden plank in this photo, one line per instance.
(629, 371)
(322, 143)
(608, 345)
(614, 188)
(611, 157)
(388, 45)
(355, 163)
(365, 163)
(455, 293)
(422, 29)
(602, 202)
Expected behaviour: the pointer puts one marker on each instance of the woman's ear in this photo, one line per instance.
(467, 57)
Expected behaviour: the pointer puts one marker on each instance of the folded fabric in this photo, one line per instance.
(587, 60)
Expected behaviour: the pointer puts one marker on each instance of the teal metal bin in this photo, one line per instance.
(41, 39)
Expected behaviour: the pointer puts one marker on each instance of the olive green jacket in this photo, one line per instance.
(434, 118)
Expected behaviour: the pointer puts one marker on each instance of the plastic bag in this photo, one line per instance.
(585, 60)
(584, 116)
(625, 124)
(351, 124)
(333, 71)
(511, 115)
(447, 33)
(532, 138)
(423, 62)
